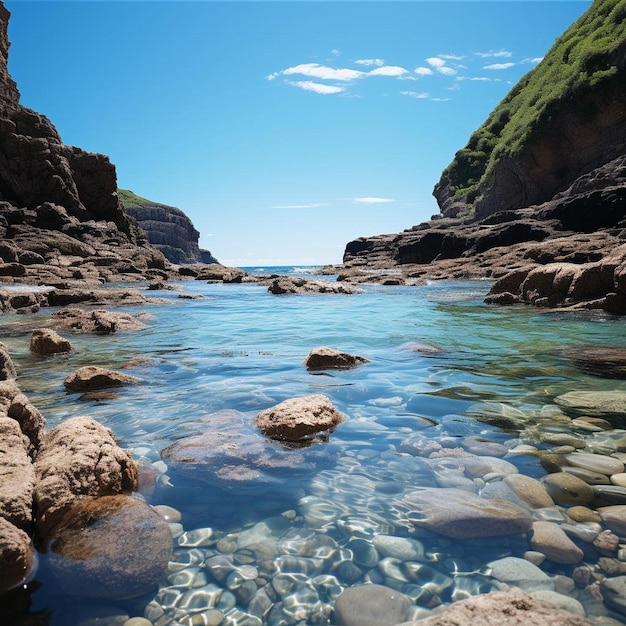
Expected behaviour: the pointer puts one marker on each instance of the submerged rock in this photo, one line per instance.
(110, 547)
(610, 405)
(329, 358)
(299, 419)
(371, 605)
(231, 455)
(461, 514)
(605, 362)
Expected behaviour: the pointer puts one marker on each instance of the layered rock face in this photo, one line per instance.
(542, 181)
(168, 229)
(58, 204)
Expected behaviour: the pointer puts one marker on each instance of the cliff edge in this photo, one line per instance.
(168, 229)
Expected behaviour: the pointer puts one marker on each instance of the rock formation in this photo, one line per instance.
(59, 208)
(168, 229)
(543, 180)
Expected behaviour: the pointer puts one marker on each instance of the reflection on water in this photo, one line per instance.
(449, 377)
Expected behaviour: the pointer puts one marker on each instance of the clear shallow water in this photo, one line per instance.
(240, 348)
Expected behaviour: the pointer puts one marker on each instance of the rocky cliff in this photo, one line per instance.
(543, 181)
(60, 216)
(561, 121)
(168, 229)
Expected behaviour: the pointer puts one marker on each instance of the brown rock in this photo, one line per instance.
(16, 556)
(614, 518)
(7, 367)
(46, 341)
(78, 458)
(329, 358)
(502, 608)
(551, 540)
(299, 418)
(288, 285)
(17, 477)
(99, 321)
(91, 377)
(564, 488)
(89, 556)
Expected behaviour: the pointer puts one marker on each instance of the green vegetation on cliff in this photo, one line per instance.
(583, 58)
(131, 200)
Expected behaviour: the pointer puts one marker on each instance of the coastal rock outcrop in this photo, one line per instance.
(168, 229)
(45, 341)
(542, 182)
(59, 208)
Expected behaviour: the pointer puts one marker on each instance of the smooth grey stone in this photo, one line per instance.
(595, 463)
(591, 478)
(402, 548)
(371, 605)
(608, 495)
(520, 573)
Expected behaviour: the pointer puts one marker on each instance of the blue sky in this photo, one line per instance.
(283, 129)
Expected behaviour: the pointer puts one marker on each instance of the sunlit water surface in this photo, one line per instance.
(438, 356)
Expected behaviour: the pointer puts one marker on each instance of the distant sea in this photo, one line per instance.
(445, 369)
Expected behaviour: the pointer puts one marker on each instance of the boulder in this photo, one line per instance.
(329, 358)
(111, 547)
(461, 514)
(17, 477)
(371, 605)
(502, 608)
(78, 458)
(92, 377)
(299, 419)
(14, 404)
(45, 341)
(17, 557)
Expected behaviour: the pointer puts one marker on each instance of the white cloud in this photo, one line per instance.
(535, 60)
(323, 72)
(415, 94)
(484, 79)
(335, 52)
(423, 71)
(498, 66)
(494, 54)
(441, 99)
(309, 85)
(370, 62)
(440, 65)
(451, 57)
(372, 200)
(389, 70)
(436, 62)
(311, 205)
